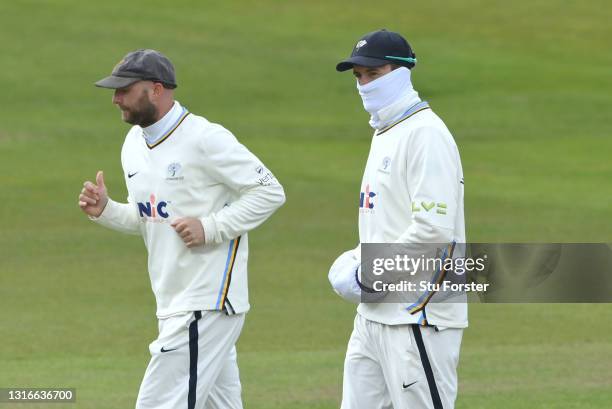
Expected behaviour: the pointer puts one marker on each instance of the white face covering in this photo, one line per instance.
(388, 97)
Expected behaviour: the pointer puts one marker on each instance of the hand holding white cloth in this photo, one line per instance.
(342, 276)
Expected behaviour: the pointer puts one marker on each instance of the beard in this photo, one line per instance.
(144, 113)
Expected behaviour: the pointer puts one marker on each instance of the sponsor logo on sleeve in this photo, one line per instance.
(440, 208)
(264, 176)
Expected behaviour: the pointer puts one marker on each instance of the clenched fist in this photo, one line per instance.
(93, 197)
(191, 231)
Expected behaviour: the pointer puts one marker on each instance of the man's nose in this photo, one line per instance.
(116, 98)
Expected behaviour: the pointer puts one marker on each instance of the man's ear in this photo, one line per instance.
(158, 88)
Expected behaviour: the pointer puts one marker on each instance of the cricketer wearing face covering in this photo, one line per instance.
(388, 98)
(413, 162)
(411, 192)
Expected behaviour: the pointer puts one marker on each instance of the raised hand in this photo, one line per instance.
(93, 197)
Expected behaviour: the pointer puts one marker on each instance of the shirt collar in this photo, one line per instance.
(394, 111)
(419, 106)
(154, 133)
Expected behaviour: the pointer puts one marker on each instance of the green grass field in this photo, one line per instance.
(524, 86)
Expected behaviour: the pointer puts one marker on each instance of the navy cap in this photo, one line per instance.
(379, 48)
(139, 65)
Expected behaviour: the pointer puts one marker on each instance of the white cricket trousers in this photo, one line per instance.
(193, 363)
(400, 367)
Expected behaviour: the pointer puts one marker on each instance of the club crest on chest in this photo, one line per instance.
(174, 172)
(385, 165)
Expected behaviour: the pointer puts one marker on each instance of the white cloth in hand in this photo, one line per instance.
(342, 276)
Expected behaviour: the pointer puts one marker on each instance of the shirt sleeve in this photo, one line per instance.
(260, 193)
(121, 217)
(433, 172)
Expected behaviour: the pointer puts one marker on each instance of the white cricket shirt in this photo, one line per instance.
(193, 168)
(412, 192)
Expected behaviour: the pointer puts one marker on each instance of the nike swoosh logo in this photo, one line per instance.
(131, 174)
(409, 385)
(168, 350)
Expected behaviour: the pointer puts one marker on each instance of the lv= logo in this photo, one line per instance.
(440, 207)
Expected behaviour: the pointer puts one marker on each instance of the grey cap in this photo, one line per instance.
(139, 65)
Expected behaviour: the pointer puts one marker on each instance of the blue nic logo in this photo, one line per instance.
(153, 209)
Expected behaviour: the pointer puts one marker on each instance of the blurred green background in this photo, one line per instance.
(524, 86)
